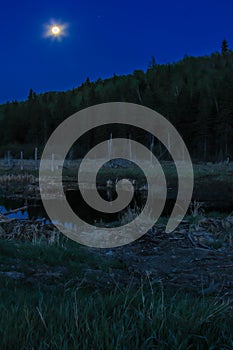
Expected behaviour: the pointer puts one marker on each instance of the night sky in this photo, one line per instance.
(102, 38)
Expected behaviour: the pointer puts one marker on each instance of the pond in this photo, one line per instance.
(36, 211)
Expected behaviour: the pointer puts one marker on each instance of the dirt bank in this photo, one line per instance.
(197, 256)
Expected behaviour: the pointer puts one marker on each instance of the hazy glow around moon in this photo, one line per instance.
(55, 30)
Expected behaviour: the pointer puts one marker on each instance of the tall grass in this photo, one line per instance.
(146, 318)
(73, 313)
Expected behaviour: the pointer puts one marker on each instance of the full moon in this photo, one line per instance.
(55, 30)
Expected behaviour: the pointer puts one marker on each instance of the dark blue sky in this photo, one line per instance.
(104, 37)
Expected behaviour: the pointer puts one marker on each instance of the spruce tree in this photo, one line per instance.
(225, 48)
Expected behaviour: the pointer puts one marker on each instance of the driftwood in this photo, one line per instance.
(16, 210)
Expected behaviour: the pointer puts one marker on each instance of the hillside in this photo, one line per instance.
(195, 94)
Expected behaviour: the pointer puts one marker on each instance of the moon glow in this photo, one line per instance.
(55, 30)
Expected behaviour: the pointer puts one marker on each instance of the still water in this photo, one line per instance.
(36, 211)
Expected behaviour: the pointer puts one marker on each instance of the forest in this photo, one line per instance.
(195, 94)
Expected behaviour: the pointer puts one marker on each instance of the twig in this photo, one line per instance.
(16, 210)
(198, 243)
(191, 240)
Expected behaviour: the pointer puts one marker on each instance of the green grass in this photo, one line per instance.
(33, 318)
(66, 253)
(66, 316)
(202, 172)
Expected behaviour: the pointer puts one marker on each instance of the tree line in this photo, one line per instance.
(195, 94)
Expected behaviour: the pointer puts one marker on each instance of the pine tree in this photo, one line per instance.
(152, 62)
(225, 48)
